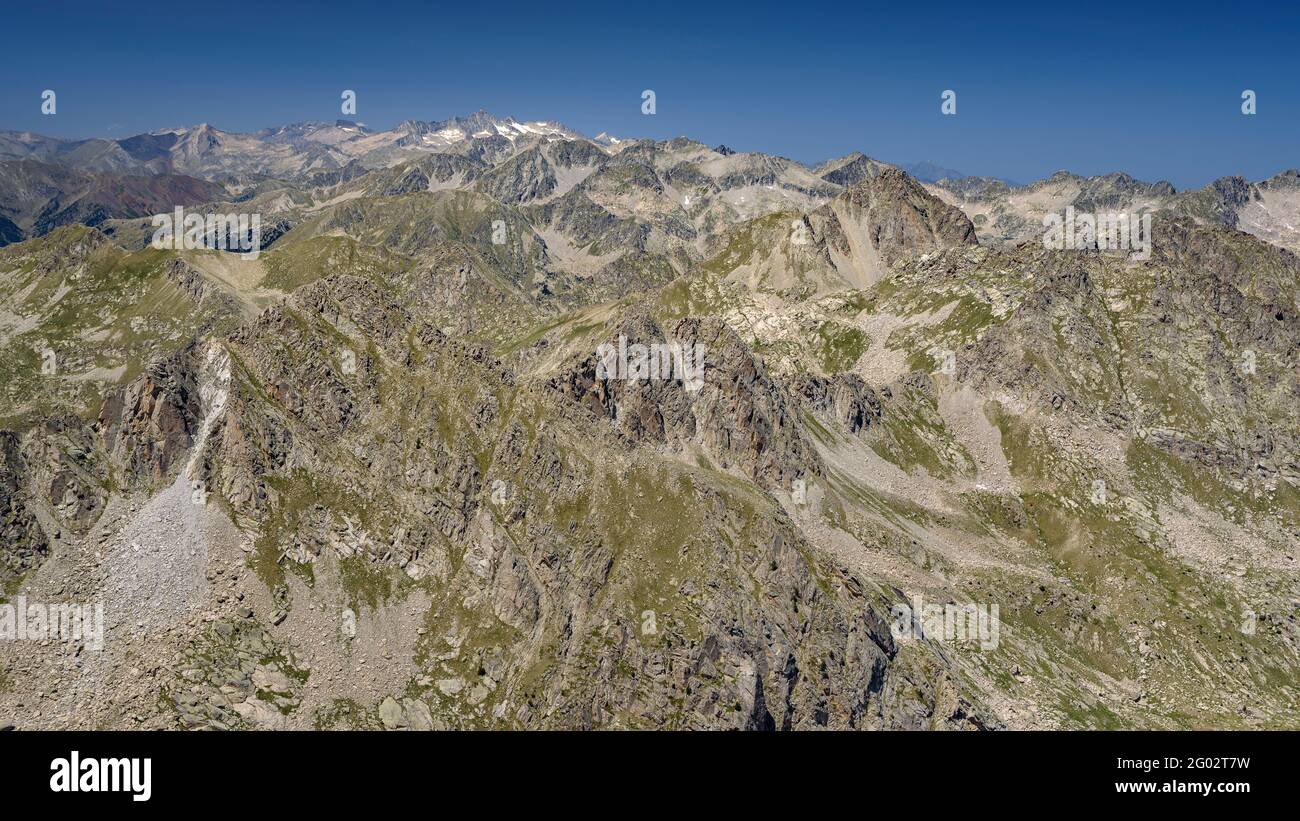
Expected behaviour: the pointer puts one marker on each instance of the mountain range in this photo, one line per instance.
(381, 477)
(312, 153)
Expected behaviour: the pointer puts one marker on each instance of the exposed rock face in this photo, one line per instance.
(428, 174)
(851, 170)
(23, 544)
(880, 220)
(844, 397)
(740, 415)
(523, 178)
(1226, 195)
(66, 470)
(147, 426)
(1114, 192)
(543, 171)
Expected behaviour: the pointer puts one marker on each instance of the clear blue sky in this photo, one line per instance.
(1091, 87)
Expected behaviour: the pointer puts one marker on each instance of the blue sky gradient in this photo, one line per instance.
(1092, 87)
